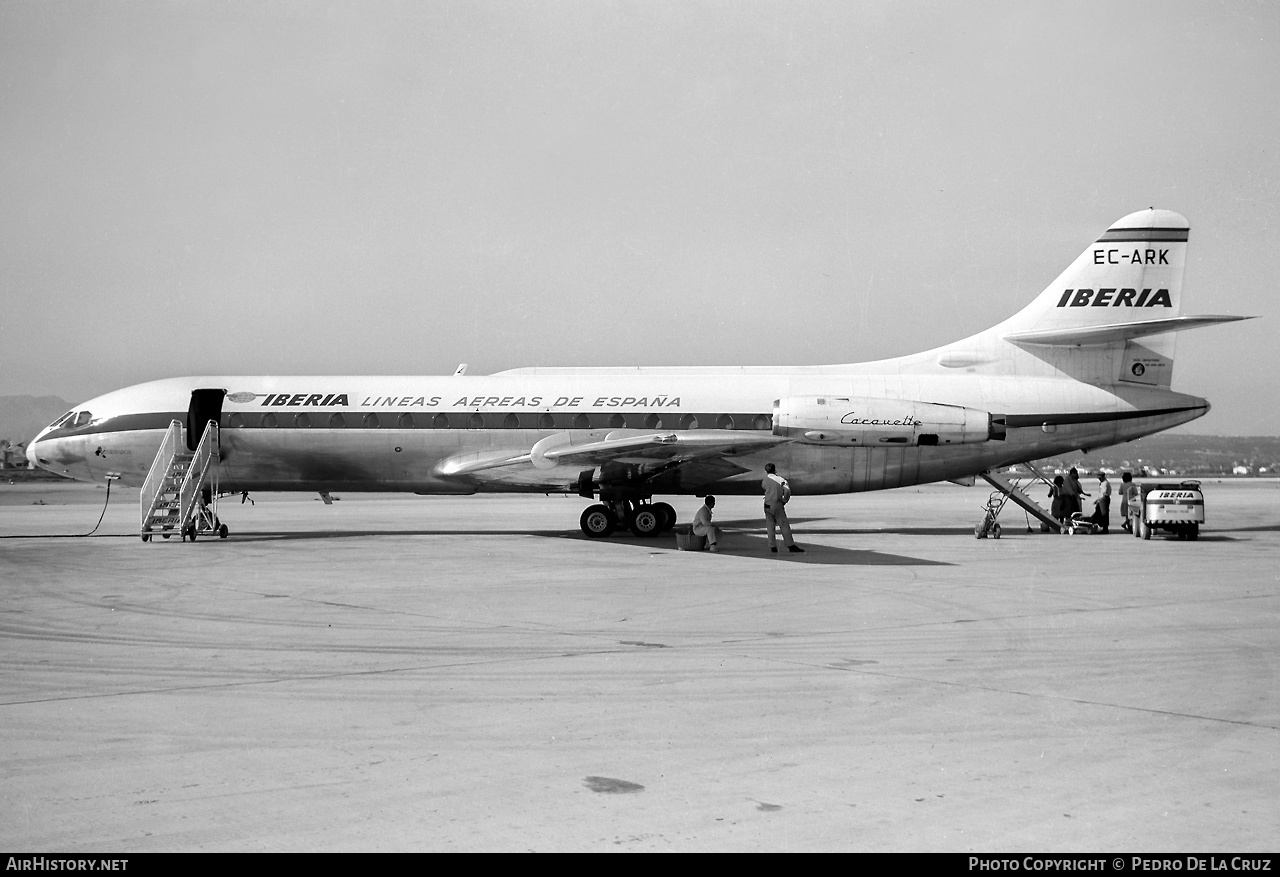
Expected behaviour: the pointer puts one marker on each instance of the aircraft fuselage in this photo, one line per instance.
(399, 433)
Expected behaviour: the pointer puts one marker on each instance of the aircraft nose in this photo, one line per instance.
(32, 459)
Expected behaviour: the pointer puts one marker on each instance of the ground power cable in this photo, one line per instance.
(72, 535)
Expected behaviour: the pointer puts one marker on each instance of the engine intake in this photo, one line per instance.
(853, 420)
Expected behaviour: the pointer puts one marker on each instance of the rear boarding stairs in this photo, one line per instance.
(1007, 488)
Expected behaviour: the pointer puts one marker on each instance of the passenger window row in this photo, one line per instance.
(498, 420)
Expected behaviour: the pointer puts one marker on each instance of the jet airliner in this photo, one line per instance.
(1086, 364)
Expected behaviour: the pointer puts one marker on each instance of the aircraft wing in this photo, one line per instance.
(651, 452)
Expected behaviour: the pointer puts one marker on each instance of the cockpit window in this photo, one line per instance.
(82, 418)
(62, 420)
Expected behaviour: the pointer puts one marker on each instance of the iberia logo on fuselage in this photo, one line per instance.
(314, 399)
(1114, 298)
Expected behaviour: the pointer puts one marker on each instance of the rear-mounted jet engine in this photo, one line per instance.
(852, 420)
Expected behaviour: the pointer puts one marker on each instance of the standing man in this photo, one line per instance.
(1103, 502)
(702, 523)
(776, 494)
(1128, 496)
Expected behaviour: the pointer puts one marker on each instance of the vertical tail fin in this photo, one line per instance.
(1121, 288)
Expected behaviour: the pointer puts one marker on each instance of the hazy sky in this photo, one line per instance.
(394, 188)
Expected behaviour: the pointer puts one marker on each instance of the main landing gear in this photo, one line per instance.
(641, 517)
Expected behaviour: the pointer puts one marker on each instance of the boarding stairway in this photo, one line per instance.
(1012, 490)
(180, 494)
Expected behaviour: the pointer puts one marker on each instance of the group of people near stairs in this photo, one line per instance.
(1065, 499)
(776, 493)
(1065, 494)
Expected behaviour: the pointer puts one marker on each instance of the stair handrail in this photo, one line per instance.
(1037, 476)
(152, 487)
(206, 454)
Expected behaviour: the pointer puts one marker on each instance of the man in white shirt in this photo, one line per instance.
(1103, 503)
(702, 523)
(776, 494)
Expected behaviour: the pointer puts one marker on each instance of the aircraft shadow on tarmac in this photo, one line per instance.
(749, 545)
(741, 539)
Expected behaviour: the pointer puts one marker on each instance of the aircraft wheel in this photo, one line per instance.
(223, 531)
(995, 531)
(667, 515)
(146, 537)
(597, 521)
(644, 521)
(1193, 532)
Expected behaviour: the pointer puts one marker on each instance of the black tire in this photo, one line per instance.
(222, 531)
(597, 521)
(1193, 532)
(146, 537)
(667, 514)
(995, 531)
(644, 521)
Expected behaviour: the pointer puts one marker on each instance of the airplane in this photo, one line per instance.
(1086, 364)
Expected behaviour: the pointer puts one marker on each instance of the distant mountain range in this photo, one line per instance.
(1181, 454)
(21, 417)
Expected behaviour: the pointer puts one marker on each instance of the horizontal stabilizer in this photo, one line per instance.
(1110, 333)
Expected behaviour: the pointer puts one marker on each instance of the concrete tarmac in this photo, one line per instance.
(393, 673)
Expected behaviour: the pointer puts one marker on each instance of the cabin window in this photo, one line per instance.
(371, 421)
(653, 421)
(511, 422)
(302, 421)
(581, 421)
(617, 421)
(337, 421)
(405, 421)
(269, 420)
(475, 421)
(688, 422)
(235, 421)
(440, 421)
(724, 421)
(546, 421)
(763, 421)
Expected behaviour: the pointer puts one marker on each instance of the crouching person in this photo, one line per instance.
(702, 524)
